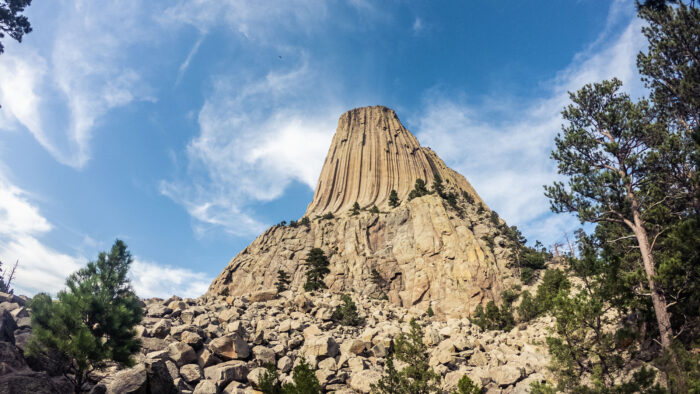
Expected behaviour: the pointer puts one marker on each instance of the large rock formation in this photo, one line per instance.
(426, 252)
(371, 154)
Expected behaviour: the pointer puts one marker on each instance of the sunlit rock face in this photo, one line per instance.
(371, 154)
(427, 252)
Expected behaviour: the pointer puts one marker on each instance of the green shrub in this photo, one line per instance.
(419, 190)
(527, 275)
(318, 268)
(528, 309)
(553, 283)
(467, 386)
(374, 209)
(327, 216)
(467, 197)
(394, 199)
(305, 221)
(293, 223)
(93, 319)
(355, 209)
(494, 218)
(268, 381)
(346, 313)
(430, 311)
(493, 317)
(305, 380)
(417, 376)
(282, 281)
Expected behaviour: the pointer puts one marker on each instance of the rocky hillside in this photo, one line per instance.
(220, 344)
(442, 250)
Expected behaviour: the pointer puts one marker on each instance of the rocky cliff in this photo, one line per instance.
(429, 251)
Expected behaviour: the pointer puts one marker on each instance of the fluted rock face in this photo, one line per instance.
(426, 252)
(371, 154)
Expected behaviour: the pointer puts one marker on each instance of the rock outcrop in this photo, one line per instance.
(444, 252)
(371, 154)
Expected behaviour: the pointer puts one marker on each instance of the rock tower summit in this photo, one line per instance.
(371, 154)
(438, 250)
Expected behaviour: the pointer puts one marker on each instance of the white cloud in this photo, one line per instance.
(259, 20)
(151, 279)
(186, 64)
(60, 88)
(41, 268)
(417, 25)
(504, 149)
(254, 140)
(44, 269)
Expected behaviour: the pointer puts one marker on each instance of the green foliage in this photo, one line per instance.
(493, 317)
(528, 308)
(305, 380)
(283, 281)
(318, 268)
(394, 199)
(327, 216)
(437, 186)
(553, 283)
(467, 197)
(430, 311)
(305, 221)
(419, 190)
(417, 377)
(467, 386)
(268, 381)
(293, 223)
(355, 209)
(541, 388)
(12, 22)
(494, 218)
(374, 209)
(346, 313)
(93, 320)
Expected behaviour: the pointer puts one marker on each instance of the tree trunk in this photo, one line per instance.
(663, 318)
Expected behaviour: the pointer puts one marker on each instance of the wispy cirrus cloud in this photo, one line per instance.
(44, 269)
(254, 140)
(59, 88)
(502, 145)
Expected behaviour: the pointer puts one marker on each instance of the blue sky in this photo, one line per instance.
(187, 127)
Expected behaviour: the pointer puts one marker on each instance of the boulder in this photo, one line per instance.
(129, 381)
(506, 375)
(263, 295)
(181, 353)
(11, 359)
(24, 382)
(230, 347)
(206, 387)
(223, 373)
(7, 327)
(321, 346)
(264, 355)
(191, 373)
(255, 375)
(161, 329)
(362, 381)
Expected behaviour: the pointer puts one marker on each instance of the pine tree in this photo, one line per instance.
(93, 320)
(374, 209)
(318, 268)
(394, 199)
(355, 209)
(12, 22)
(417, 377)
(282, 281)
(607, 150)
(419, 190)
(346, 313)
